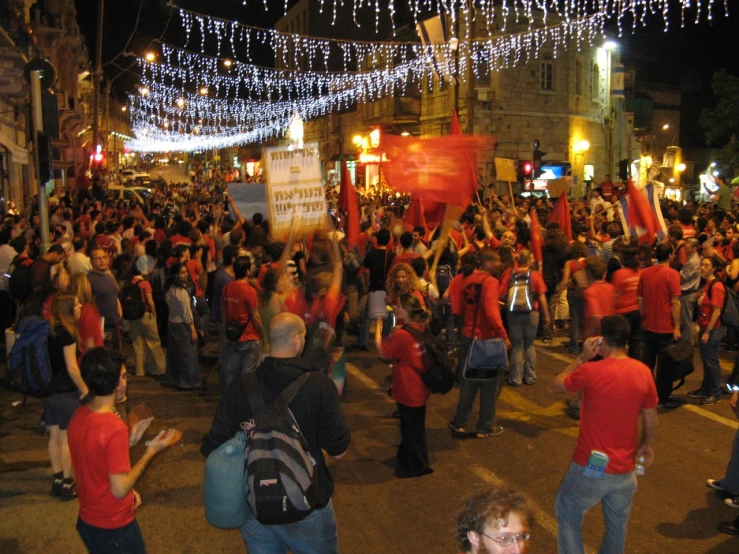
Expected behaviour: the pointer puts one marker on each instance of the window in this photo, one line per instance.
(578, 77)
(546, 73)
(595, 82)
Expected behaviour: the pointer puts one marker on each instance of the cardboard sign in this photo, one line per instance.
(505, 170)
(294, 188)
(557, 186)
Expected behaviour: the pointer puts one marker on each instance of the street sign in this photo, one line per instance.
(48, 72)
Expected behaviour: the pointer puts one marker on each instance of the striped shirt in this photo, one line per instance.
(179, 302)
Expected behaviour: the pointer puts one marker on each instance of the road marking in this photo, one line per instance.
(543, 517)
(561, 357)
(368, 382)
(710, 415)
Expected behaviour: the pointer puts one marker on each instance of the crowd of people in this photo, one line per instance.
(185, 267)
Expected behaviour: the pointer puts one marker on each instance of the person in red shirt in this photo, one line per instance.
(407, 255)
(408, 390)
(710, 305)
(481, 320)
(401, 279)
(599, 297)
(616, 391)
(240, 311)
(626, 281)
(658, 295)
(522, 324)
(90, 328)
(98, 444)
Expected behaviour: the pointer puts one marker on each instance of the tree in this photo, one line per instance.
(721, 123)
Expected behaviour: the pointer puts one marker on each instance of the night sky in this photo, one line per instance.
(686, 57)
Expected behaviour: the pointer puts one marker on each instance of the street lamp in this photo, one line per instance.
(665, 127)
(124, 109)
(204, 91)
(150, 56)
(227, 63)
(610, 45)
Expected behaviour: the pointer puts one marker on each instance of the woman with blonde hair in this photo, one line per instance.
(66, 390)
(402, 279)
(90, 323)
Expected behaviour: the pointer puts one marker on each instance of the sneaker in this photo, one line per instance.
(732, 502)
(512, 383)
(708, 400)
(670, 404)
(714, 484)
(529, 381)
(697, 393)
(546, 340)
(457, 432)
(69, 490)
(56, 486)
(497, 430)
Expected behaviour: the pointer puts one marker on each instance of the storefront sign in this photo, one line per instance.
(294, 188)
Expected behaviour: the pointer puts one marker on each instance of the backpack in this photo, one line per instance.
(438, 376)
(132, 303)
(580, 277)
(29, 367)
(520, 297)
(281, 473)
(444, 276)
(679, 358)
(434, 325)
(19, 284)
(729, 313)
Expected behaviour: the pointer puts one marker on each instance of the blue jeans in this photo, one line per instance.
(730, 482)
(468, 390)
(316, 534)
(239, 358)
(522, 332)
(364, 328)
(577, 494)
(711, 384)
(124, 540)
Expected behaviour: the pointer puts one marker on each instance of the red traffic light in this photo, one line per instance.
(98, 157)
(527, 168)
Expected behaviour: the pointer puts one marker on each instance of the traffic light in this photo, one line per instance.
(538, 155)
(45, 158)
(623, 169)
(524, 171)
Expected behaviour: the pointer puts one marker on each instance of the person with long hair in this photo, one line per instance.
(90, 324)
(575, 254)
(401, 279)
(408, 388)
(183, 368)
(66, 390)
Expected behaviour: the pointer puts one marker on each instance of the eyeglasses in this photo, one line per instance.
(508, 540)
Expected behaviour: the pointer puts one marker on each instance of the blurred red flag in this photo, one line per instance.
(350, 206)
(536, 238)
(561, 215)
(455, 129)
(440, 169)
(640, 212)
(414, 215)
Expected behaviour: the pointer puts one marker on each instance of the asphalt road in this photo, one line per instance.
(673, 512)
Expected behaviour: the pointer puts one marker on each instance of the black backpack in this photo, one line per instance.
(438, 376)
(281, 473)
(132, 303)
(19, 284)
(729, 312)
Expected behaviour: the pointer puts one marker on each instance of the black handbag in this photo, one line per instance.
(486, 357)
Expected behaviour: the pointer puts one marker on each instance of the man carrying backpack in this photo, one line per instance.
(526, 299)
(317, 412)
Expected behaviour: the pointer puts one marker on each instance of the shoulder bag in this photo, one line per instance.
(486, 357)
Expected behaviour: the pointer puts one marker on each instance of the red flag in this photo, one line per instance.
(561, 215)
(350, 205)
(433, 213)
(414, 215)
(536, 239)
(441, 169)
(640, 212)
(455, 129)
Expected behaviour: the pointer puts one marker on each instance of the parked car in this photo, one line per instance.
(126, 193)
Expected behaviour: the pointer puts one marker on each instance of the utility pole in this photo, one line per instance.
(37, 120)
(97, 74)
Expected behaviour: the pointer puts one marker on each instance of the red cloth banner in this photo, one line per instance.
(414, 214)
(349, 204)
(561, 215)
(640, 212)
(455, 129)
(441, 169)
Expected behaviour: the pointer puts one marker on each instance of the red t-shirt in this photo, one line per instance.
(688, 231)
(614, 391)
(160, 236)
(600, 301)
(144, 288)
(706, 305)
(408, 388)
(263, 271)
(626, 281)
(195, 268)
(180, 239)
(238, 302)
(89, 327)
(536, 283)
(455, 294)
(392, 301)
(325, 309)
(488, 324)
(658, 285)
(98, 443)
(404, 258)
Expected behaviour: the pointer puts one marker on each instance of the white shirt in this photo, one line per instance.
(79, 263)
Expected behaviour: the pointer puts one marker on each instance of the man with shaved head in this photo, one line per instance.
(317, 412)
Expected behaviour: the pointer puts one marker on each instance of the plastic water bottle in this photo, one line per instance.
(640, 468)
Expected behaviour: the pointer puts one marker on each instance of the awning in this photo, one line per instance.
(18, 153)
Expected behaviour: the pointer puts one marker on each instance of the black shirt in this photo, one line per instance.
(378, 262)
(315, 407)
(60, 379)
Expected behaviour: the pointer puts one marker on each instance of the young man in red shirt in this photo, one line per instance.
(658, 294)
(98, 443)
(600, 296)
(615, 392)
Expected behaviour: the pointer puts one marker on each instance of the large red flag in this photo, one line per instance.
(350, 205)
(414, 214)
(455, 129)
(640, 212)
(441, 169)
(561, 215)
(536, 239)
